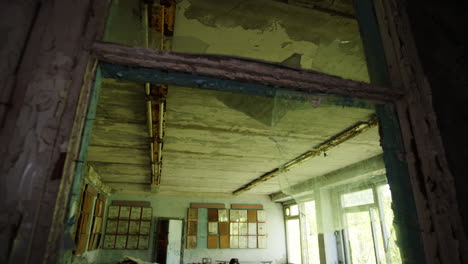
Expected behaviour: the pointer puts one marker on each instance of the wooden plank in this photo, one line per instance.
(129, 187)
(122, 92)
(118, 112)
(118, 134)
(121, 169)
(261, 73)
(125, 178)
(113, 154)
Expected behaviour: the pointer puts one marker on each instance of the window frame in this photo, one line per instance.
(376, 205)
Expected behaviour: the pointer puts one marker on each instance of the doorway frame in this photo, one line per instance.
(406, 111)
(157, 219)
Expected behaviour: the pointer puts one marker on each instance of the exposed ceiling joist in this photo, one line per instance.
(158, 65)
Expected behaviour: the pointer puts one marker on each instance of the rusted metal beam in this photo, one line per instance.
(156, 121)
(159, 18)
(242, 70)
(344, 136)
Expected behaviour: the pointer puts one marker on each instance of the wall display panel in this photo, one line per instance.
(234, 229)
(224, 242)
(241, 228)
(243, 241)
(234, 215)
(212, 215)
(121, 242)
(212, 228)
(135, 213)
(111, 227)
(262, 242)
(191, 241)
(252, 216)
(109, 241)
(147, 213)
(192, 227)
(134, 227)
(132, 242)
(145, 227)
(124, 212)
(143, 242)
(212, 241)
(261, 216)
(242, 215)
(113, 212)
(252, 242)
(223, 215)
(247, 224)
(128, 225)
(224, 228)
(252, 229)
(122, 227)
(234, 241)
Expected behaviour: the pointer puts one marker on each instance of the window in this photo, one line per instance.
(367, 226)
(357, 229)
(293, 234)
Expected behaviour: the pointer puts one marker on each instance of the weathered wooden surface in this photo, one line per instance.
(38, 125)
(240, 69)
(441, 227)
(119, 149)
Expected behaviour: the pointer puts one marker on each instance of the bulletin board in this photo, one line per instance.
(241, 227)
(128, 225)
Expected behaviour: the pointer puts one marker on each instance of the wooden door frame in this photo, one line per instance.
(405, 108)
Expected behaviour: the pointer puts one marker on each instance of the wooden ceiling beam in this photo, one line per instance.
(229, 72)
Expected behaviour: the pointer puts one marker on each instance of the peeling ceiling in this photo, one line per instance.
(217, 142)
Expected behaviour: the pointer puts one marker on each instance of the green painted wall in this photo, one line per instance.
(176, 207)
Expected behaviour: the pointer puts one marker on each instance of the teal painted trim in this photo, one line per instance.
(372, 42)
(403, 203)
(143, 75)
(80, 168)
(110, 19)
(202, 228)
